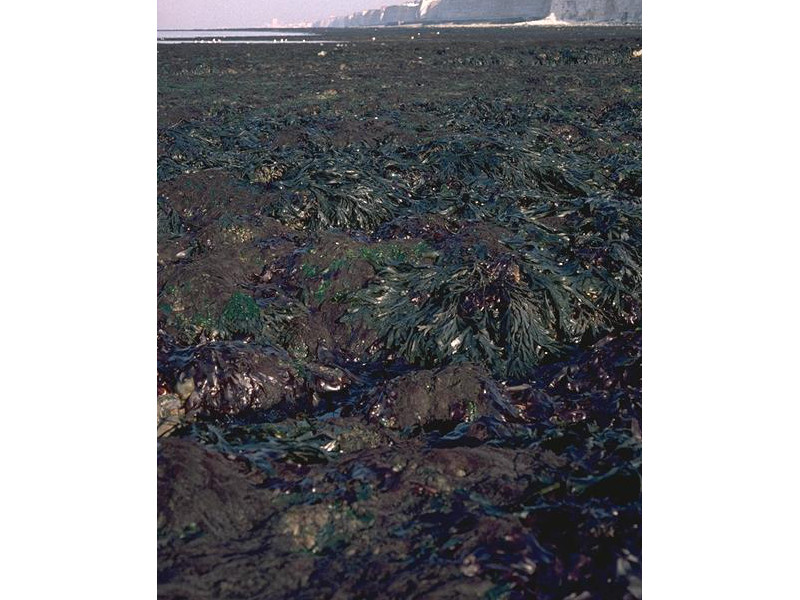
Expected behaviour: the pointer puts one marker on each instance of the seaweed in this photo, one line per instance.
(399, 311)
(170, 225)
(334, 194)
(450, 313)
(514, 310)
(240, 317)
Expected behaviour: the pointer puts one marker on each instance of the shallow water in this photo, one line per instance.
(273, 41)
(227, 33)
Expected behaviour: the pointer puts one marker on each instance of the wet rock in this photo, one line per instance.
(202, 198)
(329, 378)
(316, 527)
(212, 267)
(432, 228)
(353, 435)
(436, 399)
(221, 379)
(484, 239)
(323, 275)
(499, 214)
(600, 385)
(202, 491)
(171, 410)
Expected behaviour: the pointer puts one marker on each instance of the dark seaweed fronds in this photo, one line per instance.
(263, 320)
(474, 199)
(511, 163)
(265, 443)
(481, 312)
(600, 250)
(338, 197)
(170, 225)
(554, 288)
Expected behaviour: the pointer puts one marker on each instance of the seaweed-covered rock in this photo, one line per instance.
(204, 277)
(571, 274)
(486, 312)
(220, 379)
(601, 385)
(342, 272)
(436, 399)
(199, 199)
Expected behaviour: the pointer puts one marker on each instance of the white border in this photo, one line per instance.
(720, 213)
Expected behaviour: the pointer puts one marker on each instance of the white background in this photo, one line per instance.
(720, 321)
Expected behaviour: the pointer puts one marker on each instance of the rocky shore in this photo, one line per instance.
(399, 317)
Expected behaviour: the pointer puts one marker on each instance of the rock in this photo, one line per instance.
(483, 10)
(397, 15)
(437, 399)
(200, 490)
(233, 378)
(171, 411)
(598, 11)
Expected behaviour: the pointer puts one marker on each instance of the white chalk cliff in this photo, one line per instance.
(499, 11)
(598, 11)
(481, 10)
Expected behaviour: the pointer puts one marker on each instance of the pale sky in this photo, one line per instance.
(194, 14)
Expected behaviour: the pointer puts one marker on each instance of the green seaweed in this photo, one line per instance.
(241, 316)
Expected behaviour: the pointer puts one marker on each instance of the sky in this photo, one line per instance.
(193, 14)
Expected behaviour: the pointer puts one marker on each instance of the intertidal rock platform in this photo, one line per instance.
(399, 316)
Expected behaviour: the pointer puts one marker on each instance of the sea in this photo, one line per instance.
(237, 36)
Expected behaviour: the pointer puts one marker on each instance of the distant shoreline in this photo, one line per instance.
(538, 23)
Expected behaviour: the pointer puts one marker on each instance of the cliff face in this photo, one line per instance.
(367, 18)
(598, 11)
(463, 11)
(390, 15)
(407, 13)
(483, 10)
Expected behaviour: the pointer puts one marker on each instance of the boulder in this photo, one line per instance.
(437, 399)
(220, 379)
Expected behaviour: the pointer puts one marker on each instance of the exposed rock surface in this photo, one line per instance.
(387, 16)
(465, 11)
(228, 378)
(393, 15)
(202, 489)
(598, 11)
(305, 455)
(437, 398)
(481, 10)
